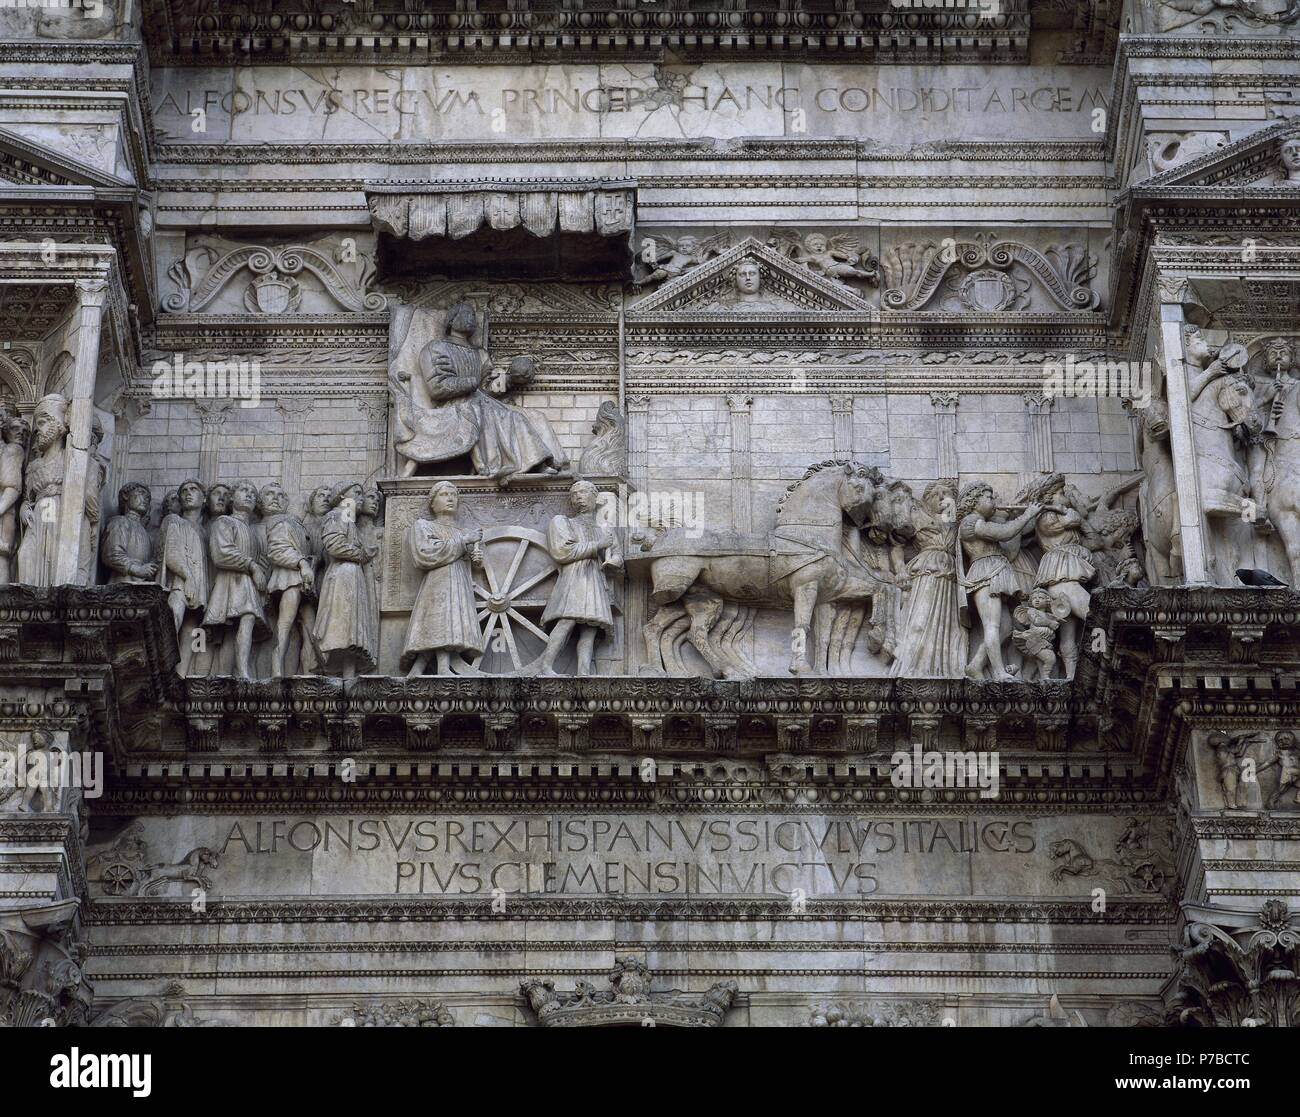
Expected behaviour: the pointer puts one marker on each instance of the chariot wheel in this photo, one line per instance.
(1149, 876)
(516, 580)
(117, 878)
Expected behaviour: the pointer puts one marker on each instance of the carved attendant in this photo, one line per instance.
(43, 496)
(12, 453)
(444, 619)
(932, 644)
(347, 629)
(97, 473)
(291, 586)
(584, 550)
(183, 567)
(1064, 570)
(990, 578)
(128, 549)
(240, 577)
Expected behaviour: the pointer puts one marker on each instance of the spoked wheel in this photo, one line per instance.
(518, 572)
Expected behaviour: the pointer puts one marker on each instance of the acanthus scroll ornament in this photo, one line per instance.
(913, 272)
(204, 273)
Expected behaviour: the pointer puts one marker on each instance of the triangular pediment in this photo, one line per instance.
(24, 162)
(1252, 161)
(787, 287)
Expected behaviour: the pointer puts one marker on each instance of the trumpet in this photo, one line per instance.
(1016, 509)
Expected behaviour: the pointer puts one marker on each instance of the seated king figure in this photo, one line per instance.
(444, 412)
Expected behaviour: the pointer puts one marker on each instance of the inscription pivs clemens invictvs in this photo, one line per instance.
(699, 855)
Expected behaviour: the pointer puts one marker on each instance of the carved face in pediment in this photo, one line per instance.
(751, 277)
(1291, 159)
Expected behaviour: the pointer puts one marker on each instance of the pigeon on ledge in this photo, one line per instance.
(1261, 579)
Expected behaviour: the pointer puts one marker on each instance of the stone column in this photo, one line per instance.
(91, 296)
(635, 602)
(742, 517)
(212, 417)
(945, 428)
(376, 413)
(1186, 481)
(295, 410)
(1039, 442)
(842, 426)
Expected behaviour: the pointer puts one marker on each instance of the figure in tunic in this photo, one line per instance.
(183, 568)
(441, 411)
(1065, 569)
(347, 617)
(444, 619)
(318, 506)
(128, 548)
(12, 454)
(933, 642)
(584, 550)
(990, 578)
(292, 583)
(240, 580)
(217, 656)
(43, 493)
(96, 475)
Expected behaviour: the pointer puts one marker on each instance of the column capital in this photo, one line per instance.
(92, 292)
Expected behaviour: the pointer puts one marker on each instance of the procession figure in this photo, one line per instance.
(318, 506)
(347, 616)
(13, 452)
(292, 584)
(240, 579)
(96, 475)
(444, 620)
(43, 493)
(932, 644)
(584, 550)
(442, 411)
(1228, 752)
(370, 510)
(183, 567)
(128, 548)
(218, 652)
(1064, 571)
(990, 578)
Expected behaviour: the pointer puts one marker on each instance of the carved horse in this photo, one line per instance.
(719, 578)
(1158, 497)
(1221, 413)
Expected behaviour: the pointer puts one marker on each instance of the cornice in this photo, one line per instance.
(1119, 911)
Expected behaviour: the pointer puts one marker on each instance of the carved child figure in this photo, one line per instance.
(1287, 758)
(1229, 753)
(584, 550)
(1036, 639)
(444, 619)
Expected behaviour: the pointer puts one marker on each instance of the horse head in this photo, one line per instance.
(1235, 397)
(859, 491)
(1155, 420)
